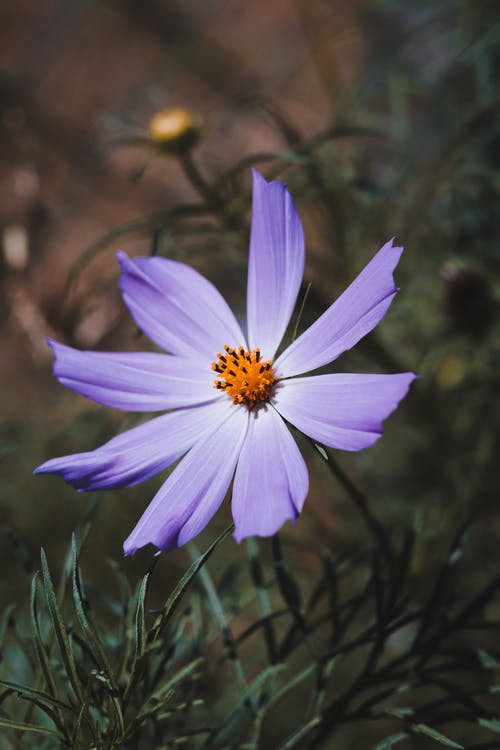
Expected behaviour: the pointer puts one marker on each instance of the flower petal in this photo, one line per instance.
(134, 381)
(194, 490)
(139, 453)
(178, 308)
(353, 315)
(276, 264)
(343, 410)
(271, 480)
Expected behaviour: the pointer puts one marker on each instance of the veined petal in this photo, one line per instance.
(276, 264)
(139, 453)
(271, 480)
(343, 411)
(353, 315)
(193, 492)
(178, 308)
(134, 381)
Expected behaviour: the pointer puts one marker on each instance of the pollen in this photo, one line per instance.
(244, 375)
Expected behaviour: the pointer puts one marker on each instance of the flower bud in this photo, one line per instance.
(174, 130)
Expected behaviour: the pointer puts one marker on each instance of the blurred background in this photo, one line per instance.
(382, 117)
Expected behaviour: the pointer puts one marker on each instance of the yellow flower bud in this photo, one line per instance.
(174, 130)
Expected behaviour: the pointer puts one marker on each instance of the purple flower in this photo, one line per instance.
(232, 428)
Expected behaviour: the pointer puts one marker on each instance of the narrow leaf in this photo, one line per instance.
(158, 700)
(140, 634)
(22, 727)
(390, 742)
(262, 598)
(77, 539)
(487, 660)
(79, 721)
(322, 452)
(41, 651)
(492, 724)
(32, 693)
(298, 736)
(219, 615)
(435, 735)
(176, 595)
(60, 629)
(400, 713)
(93, 639)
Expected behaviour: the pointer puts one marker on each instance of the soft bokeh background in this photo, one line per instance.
(397, 104)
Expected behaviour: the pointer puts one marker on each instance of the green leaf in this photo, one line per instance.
(435, 735)
(22, 727)
(32, 693)
(159, 697)
(252, 695)
(60, 629)
(299, 318)
(262, 599)
(41, 651)
(77, 539)
(487, 660)
(176, 595)
(93, 639)
(300, 734)
(254, 688)
(322, 680)
(322, 452)
(125, 611)
(390, 742)
(158, 700)
(400, 713)
(140, 639)
(308, 672)
(140, 617)
(215, 605)
(492, 724)
(79, 721)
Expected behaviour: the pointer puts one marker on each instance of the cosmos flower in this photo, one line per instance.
(226, 395)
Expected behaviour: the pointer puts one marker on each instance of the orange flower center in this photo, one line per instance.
(245, 376)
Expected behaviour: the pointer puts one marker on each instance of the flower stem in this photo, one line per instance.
(360, 501)
(196, 178)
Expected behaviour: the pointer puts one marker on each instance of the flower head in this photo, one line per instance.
(225, 393)
(174, 130)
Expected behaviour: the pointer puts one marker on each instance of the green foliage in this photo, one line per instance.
(95, 685)
(349, 651)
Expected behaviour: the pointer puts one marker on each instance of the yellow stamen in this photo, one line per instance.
(245, 376)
